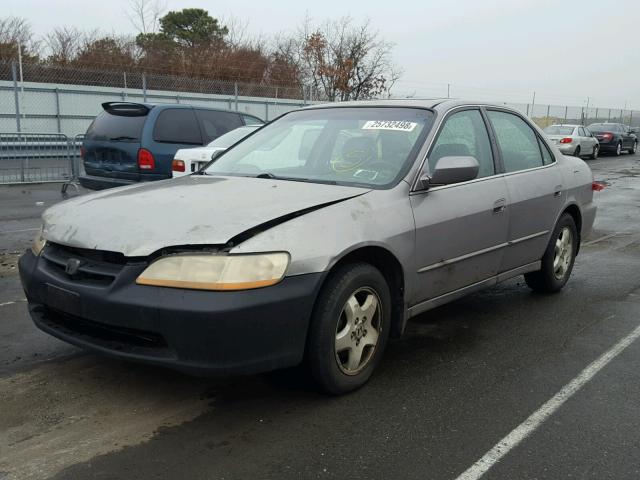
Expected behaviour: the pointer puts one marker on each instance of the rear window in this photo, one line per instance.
(108, 127)
(177, 125)
(603, 127)
(558, 130)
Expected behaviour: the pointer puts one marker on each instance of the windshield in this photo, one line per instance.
(558, 130)
(119, 128)
(234, 136)
(370, 146)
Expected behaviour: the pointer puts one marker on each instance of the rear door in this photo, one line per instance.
(461, 229)
(174, 128)
(585, 143)
(112, 141)
(534, 182)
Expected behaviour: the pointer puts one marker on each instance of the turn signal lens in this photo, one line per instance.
(177, 165)
(216, 272)
(566, 140)
(38, 242)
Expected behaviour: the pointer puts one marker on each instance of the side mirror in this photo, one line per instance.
(450, 170)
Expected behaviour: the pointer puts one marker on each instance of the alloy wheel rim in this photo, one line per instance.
(619, 149)
(563, 252)
(358, 331)
(595, 151)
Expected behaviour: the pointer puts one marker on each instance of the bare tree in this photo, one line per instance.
(145, 15)
(15, 32)
(345, 61)
(64, 44)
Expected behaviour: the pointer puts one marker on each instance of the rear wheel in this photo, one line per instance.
(595, 152)
(619, 149)
(577, 152)
(633, 149)
(349, 328)
(558, 258)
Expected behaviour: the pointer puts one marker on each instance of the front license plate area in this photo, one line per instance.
(63, 300)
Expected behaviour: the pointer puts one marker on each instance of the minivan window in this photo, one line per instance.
(365, 146)
(517, 141)
(251, 120)
(177, 125)
(215, 123)
(234, 136)
(119, 128)
(464, 133)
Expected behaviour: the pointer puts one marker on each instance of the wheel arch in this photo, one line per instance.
(384, 260)
(574, 210)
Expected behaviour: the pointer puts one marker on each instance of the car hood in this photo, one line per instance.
(193, 210)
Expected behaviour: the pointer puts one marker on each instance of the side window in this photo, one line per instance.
(547, 157)
(581, 132)
(251, 120)
(177, 125)
(464, 133)
(215, 123)
(517, 140)
(587, 132)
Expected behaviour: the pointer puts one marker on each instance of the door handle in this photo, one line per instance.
(557, 191)
(499, 205)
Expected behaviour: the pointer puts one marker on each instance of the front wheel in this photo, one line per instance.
(558, 258)
(595, 152)
(633, 149)
(349, 328)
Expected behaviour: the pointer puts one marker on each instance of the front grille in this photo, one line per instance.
(112, 337)
(96, 267)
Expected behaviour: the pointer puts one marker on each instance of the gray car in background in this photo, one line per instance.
(574, 140)
(314, 239)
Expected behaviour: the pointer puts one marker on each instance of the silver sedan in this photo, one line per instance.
(574, 140)
(315, 239)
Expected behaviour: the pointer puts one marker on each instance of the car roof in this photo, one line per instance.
(441, 104)
(574, 125)
(159, 105)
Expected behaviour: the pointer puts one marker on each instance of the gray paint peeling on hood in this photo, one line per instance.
(194, 210)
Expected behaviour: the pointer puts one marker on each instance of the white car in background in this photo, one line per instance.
(189, 160)
(574, 140)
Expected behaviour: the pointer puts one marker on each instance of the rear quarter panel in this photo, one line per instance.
(578, 179)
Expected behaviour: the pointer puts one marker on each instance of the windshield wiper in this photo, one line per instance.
(123, 137)
(271, 176)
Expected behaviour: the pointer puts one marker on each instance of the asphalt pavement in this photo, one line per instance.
(465, 381)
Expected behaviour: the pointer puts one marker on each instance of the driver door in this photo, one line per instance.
(461, 229)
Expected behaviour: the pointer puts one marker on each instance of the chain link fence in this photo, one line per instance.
(44, 108)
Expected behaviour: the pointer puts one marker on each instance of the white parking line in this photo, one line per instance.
(12, 303)
(536, 419)
(599, 239)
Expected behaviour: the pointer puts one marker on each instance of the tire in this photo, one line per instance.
(595, 152)
(634, 148)
(553, 276)
(576, 153)
(618, 149)
(340, 332)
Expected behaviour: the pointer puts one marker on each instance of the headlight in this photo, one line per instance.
(216, 272)
(38, 242)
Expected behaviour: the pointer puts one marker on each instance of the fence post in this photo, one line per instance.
(266, 110)
(235, 92)
(57, 92)
(596, 114)
(581, 115)
(304, 95)
(14, 74)
(548, 109)
(609, 115)
(144, 87)
(566, 112)
(124, 92)
(630, 117)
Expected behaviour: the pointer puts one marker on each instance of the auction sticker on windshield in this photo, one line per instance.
(389, 125)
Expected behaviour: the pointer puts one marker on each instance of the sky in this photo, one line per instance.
(568, 52)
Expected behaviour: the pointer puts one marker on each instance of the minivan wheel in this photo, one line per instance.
(349, 328)
(633, 149)
(619, 149)
(558, 259)
(595, 152)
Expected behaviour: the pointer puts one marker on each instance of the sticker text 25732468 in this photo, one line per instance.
(389, 125)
